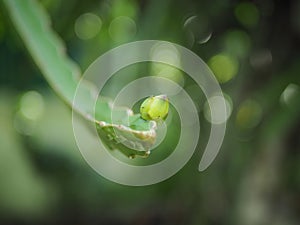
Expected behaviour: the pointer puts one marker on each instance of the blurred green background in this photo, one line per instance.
(253, 49)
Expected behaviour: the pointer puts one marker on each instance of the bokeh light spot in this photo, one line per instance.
(224, 67)
(216, 104)
(122, 29)
(87, 26)
(290, 94)
(198, 29)
(249, 114)
(261, 59)
(237, 43)
(32, 105)
(247, 14)
(166, 53)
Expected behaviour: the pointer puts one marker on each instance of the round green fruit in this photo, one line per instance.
(155, 108)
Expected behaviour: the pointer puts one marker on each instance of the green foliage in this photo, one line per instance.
(63, 74)
(45, 180)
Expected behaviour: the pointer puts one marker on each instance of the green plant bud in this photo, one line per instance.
(155, 108)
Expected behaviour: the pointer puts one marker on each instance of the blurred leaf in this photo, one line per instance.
(48, 51)
(23, 190)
